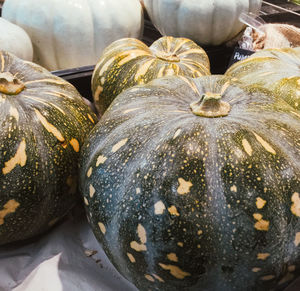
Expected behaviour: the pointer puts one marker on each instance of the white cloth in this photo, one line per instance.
(68, 258)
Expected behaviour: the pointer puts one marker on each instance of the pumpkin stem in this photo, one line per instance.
(9, 84)
(169, 57)
(210, 105)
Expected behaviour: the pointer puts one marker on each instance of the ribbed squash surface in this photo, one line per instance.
(186, 202)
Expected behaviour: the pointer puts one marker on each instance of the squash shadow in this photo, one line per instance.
(67, 258)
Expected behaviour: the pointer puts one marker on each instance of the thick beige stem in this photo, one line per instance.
(9, 84)
(210, 105)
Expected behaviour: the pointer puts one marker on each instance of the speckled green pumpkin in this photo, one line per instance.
(43, 125)
(275, 69)
(128, 62)
(194, 185)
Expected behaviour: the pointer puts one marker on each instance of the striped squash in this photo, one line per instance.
(44, 122)
(277, 70)
(128, 62)
(195, 185)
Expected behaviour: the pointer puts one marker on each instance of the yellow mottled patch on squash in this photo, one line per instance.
(14, 113)
(260, 203)
(262, 256)
(247, 147)
(184, 186)
(101, 160)
(49, 127)
(173, 210)
(18, 159)
(143, 69)
(149, 278)
(158, 278)
(261, 224)
(130, 110)
(97, 93)
(92, 191)
(138, 247)
(178, 131)
(295, 208)
(131, 258)
(265, 144)
(89, 172)
(102, 227)
(233, 188)
(118, 145)
(172, 257)
(91, 118)
(75, 144)
(297, 239)
(175, 271)
(159, 208)
(143, 239)
(9, 207)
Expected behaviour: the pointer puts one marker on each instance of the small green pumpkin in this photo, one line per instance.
(195, 185)
(277, 70)
(128, 62)
(44, 122)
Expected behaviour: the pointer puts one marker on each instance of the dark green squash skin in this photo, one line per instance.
(277, 70)
(38, 165)
(234, 226)
(166, 56)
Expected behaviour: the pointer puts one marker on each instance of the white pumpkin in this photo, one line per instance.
(73, 33)
(15, 40)
(207, 22)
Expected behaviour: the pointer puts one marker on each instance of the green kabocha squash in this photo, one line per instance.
(195, 185)
(44, 122)
(277, 70)
(128, 62)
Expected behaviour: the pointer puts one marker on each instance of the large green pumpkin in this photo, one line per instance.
(195, 185)
(128, 62)
(277, 70)
(44, 122)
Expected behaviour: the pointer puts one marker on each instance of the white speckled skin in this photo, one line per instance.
(15, 40)
(73, 33)
(207, 22)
